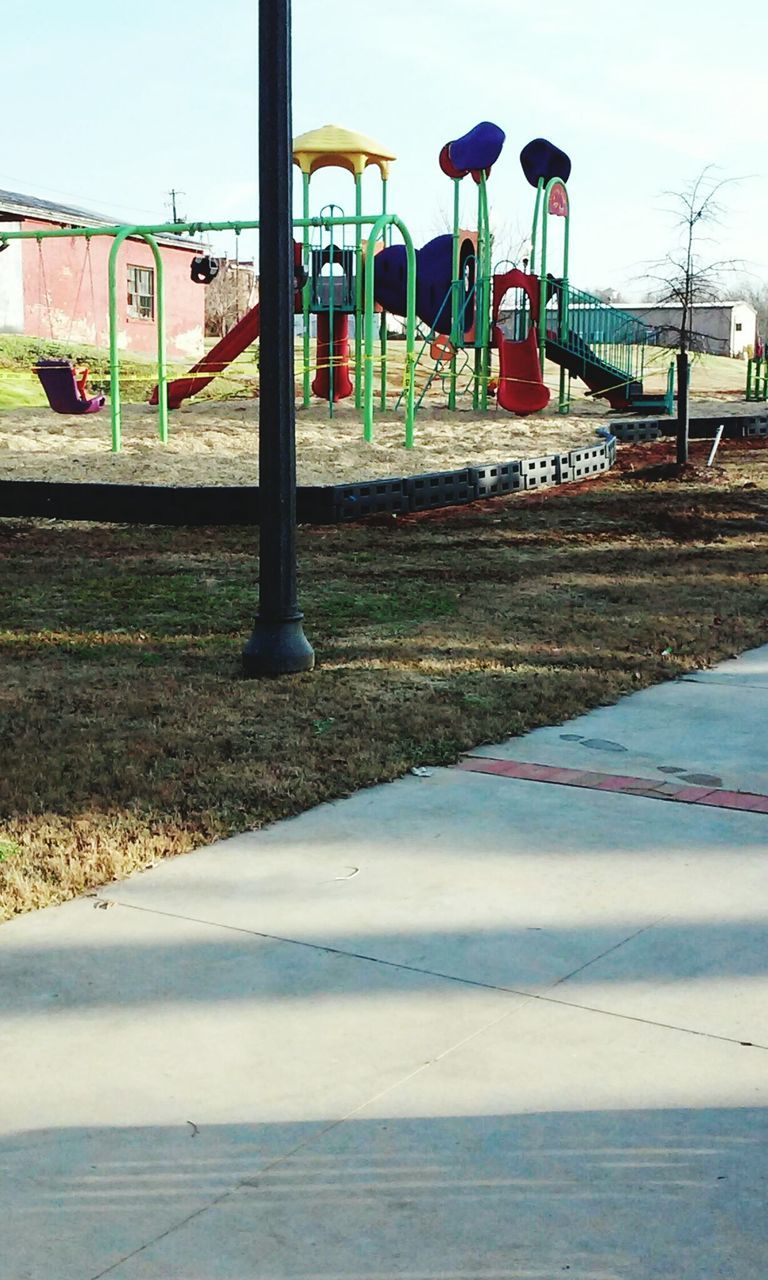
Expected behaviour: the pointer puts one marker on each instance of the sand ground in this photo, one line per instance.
(216, 442)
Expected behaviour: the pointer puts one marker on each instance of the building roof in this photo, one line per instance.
(16, 207)
(645, 305)
(334, 147)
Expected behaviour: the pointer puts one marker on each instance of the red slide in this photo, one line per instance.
(332, 355)
(521, 385)
(231, 345)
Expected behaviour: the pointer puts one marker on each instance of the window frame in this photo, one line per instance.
(135, 294)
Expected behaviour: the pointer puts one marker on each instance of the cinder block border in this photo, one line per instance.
(315, 504)
(643, 430)
(333, 504)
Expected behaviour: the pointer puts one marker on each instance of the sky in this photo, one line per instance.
(113, 105)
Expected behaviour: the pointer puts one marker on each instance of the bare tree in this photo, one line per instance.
(685, 277)
(229, 296)
(511, 242)
(606, 294)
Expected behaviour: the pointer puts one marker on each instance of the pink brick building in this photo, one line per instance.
(58, 288)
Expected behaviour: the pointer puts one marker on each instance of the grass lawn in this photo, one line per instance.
(20, 389)
(711, 376)
(128, 735)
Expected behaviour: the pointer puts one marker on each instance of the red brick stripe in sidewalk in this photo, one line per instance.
(651, 788)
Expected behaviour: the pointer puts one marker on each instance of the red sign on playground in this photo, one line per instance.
(558, 201)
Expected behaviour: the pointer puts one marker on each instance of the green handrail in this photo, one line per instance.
(757, 378)
(382, 222)
(616, 337)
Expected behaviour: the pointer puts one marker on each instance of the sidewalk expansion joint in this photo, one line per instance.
(539, 996)
(619, 784)
(725, 680)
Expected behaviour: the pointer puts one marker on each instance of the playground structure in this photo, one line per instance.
(757, 378)
(456, 308)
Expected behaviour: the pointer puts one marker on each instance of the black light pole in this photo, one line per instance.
(277, 645)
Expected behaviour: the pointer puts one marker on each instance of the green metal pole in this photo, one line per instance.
(329, 223)
(358, 293)
(485, 299)
(383, 320)
(114, 350)
(478, 300)
(543, 290)
(162, 366)
(535, 230)
(306, 347)
(564, 403)
(456, 336)
(369, 329)
(182, 228)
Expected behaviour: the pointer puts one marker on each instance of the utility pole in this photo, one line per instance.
(173, 193)
(277, 645)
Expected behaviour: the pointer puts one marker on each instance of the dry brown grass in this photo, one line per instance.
(128, 734)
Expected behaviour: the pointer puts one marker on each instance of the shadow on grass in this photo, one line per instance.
(121, 656)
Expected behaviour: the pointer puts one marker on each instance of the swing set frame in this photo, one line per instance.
(381, 224)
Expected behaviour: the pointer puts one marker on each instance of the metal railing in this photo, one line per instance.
(578, 320)
(757, 378)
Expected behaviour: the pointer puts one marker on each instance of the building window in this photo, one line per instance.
(738, 327)
(141, 293)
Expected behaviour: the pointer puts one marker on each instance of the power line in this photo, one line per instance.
(71, 195)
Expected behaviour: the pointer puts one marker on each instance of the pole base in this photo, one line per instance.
(277, 649)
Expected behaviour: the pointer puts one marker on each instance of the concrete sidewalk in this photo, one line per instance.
(467, 1026)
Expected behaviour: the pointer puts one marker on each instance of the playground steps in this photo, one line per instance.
(601, 377)
(649, 402)
(604, 378)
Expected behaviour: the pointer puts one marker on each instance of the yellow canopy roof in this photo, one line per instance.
(334, 147)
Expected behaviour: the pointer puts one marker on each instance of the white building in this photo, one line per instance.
(720, 328)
